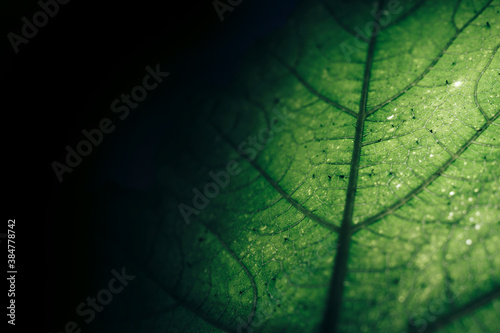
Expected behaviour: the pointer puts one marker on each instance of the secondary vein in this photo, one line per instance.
(458, 313)
(401, 202)
(432, 64)
(275, 184)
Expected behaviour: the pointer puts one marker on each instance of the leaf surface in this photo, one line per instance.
(374, 208)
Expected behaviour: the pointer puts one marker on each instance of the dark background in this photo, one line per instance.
(63, 81)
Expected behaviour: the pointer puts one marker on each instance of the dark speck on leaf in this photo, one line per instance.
(341, 176)
(447, 82)
(314, 176)
(329, 177)
(414, 117)
(390, 174)
(488, 24)
(453, 64)
(431, 131)
(286, 239)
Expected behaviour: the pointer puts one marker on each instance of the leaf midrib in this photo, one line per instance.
(336, 290)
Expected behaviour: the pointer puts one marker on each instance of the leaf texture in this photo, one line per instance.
(376, 208)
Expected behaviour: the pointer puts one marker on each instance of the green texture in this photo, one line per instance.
(375, 209)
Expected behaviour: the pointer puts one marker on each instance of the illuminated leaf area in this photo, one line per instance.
(374, 208)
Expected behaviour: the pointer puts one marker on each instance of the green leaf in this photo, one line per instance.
(375, 205)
